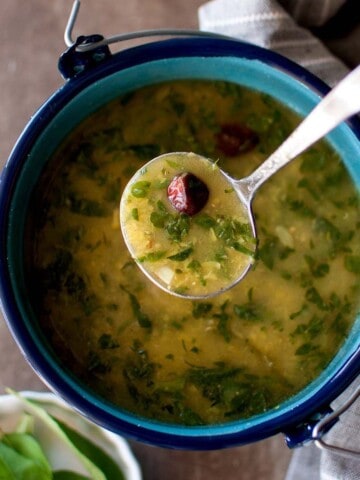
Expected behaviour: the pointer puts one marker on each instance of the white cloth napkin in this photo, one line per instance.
(271, 25)
(268, 24)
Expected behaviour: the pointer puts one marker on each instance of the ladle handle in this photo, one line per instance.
(340, 103)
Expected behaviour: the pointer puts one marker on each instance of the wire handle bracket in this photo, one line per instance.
(323, 426)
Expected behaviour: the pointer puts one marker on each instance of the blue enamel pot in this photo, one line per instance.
(95, 78)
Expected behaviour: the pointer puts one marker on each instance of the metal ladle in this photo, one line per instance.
(339, 104)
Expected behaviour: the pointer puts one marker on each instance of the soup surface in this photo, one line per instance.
(186, 253)
(194, 362)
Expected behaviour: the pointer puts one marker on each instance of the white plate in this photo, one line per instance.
(60, 455)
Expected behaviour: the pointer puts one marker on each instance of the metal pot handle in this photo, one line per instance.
(104, 42)
(323, 426)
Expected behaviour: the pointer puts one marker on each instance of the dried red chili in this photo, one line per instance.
(235, 138)
(187, 193)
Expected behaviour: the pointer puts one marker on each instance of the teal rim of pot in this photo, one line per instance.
(248, 72)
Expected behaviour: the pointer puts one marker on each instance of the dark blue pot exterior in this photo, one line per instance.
(297, 419)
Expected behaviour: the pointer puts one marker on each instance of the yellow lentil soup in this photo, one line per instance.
(182, 361)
